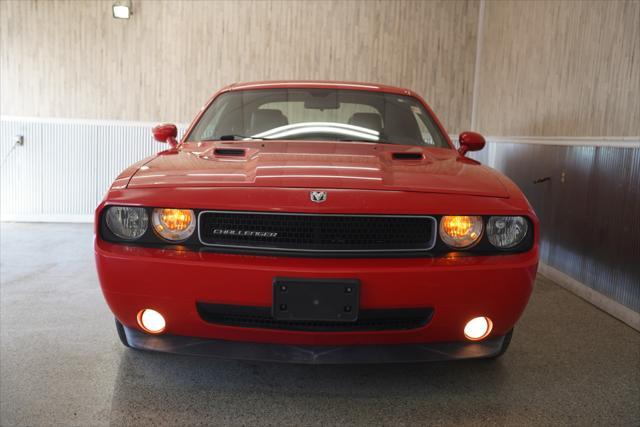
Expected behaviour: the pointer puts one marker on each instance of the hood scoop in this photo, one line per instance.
(407, 156)
(233, 152)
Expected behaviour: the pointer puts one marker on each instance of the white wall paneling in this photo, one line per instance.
(65, 166)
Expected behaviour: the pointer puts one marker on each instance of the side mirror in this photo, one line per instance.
(166, 132)
(470, 141)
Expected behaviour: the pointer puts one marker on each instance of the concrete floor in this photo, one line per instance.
(61, 363)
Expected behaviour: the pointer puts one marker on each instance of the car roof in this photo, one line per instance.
(318, 84)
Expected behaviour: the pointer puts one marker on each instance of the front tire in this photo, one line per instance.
(121, 334)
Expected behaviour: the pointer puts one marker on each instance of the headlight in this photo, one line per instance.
(461, 232)
(505, 232)
(174, 225)
(126, 222)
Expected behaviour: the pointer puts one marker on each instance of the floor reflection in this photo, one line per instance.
(154, 387)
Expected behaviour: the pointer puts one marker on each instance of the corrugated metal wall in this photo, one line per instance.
(65, 167)
(589, 210)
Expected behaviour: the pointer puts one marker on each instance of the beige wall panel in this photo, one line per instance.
(560, 68)
(72, 59)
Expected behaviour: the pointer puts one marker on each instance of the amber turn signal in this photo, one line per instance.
(175, 225)
(461, 232)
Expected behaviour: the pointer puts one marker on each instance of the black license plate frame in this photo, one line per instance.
(319, 300)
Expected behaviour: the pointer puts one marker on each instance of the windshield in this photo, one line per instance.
(319, 114)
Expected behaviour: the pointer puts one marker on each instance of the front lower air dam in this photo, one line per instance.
(151, 321)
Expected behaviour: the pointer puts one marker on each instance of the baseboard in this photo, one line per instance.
(46, 218)
(604, 303)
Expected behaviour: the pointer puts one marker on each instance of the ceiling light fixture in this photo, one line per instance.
(122, 9)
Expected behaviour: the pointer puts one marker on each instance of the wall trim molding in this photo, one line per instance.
(93, 122)
(604, 303)
(589, 141)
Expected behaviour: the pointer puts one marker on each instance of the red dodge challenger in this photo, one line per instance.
(316, 222)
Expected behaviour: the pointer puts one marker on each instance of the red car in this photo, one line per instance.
(316, 222)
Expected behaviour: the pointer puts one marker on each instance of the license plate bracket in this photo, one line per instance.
(322, 300)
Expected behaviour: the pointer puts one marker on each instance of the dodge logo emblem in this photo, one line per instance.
(318, 196)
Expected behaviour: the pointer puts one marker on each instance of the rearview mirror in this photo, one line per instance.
(470, 141)
(322, 100)
(166, 132)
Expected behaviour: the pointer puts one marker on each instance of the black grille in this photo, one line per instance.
(317, 232)
(368, 320)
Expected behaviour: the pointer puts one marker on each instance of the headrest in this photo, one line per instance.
(371, 121)
(263, 120)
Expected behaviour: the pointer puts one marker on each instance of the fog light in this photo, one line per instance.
(478, 328)
(151, 321)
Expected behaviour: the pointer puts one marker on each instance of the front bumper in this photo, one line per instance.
(403, 353)
(456, 288)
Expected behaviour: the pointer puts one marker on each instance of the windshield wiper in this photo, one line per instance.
(232, 137)
(365, 140)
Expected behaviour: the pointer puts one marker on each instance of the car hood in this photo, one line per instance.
(319, 164)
